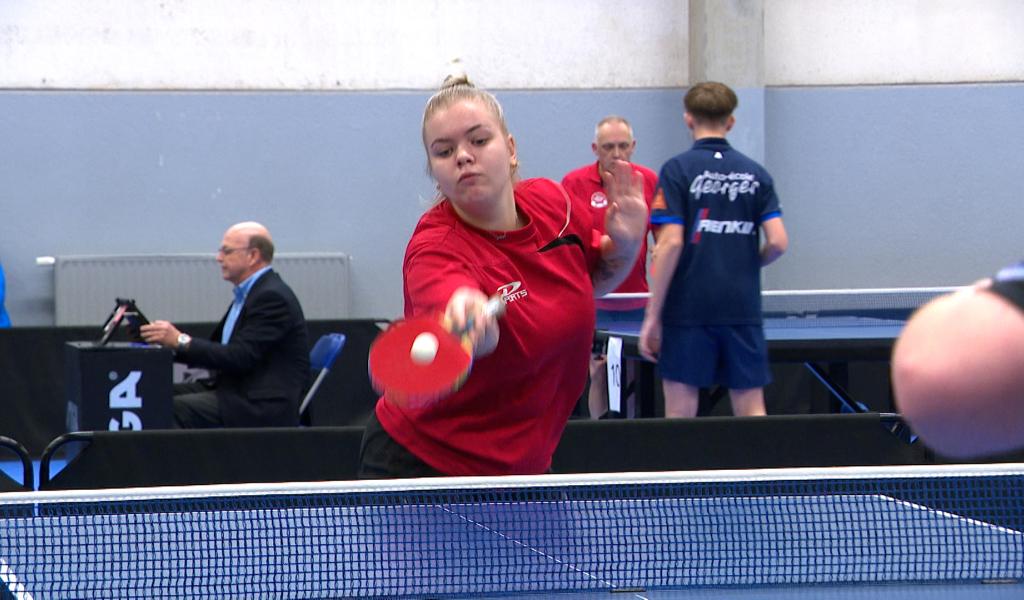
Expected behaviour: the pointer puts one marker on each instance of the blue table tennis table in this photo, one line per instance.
(485, 539)
(947, 591)
(815, 341)
(712, 535)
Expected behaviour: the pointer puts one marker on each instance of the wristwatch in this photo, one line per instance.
(184, 340)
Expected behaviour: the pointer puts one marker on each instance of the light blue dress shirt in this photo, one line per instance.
(241, 291)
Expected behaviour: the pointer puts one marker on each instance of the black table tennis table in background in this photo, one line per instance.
(825, 330)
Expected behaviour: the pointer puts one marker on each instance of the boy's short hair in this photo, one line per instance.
(710, 102)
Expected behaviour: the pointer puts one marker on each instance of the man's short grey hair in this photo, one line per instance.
(612, 119)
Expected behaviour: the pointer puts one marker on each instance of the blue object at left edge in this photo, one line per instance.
(5, 321)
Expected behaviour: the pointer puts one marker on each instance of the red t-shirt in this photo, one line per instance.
(585, 184)
(509, 415)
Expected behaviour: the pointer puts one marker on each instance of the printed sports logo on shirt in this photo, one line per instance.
(704, 224)
(510, 292)
(726, 184)
(599, 200)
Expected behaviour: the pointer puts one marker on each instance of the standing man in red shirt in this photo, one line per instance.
(613, 141)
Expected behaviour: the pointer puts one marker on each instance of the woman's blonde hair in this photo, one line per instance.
(457, 88)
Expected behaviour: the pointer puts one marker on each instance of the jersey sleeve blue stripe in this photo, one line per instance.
(665, 220)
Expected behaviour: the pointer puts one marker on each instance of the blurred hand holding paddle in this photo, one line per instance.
(420, 360)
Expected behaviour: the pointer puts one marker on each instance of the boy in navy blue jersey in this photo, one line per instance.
(703, 322)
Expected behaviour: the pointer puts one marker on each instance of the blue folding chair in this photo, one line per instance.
(321, 359)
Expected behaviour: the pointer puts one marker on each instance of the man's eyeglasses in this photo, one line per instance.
(225, 250)
(622, 146)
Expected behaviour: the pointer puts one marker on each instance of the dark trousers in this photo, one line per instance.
(381, 457)
(196, 406)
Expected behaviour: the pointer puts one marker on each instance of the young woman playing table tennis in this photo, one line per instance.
(527, 242)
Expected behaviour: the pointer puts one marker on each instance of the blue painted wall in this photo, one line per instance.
(897, 186)
(146, 172)
(882, 186)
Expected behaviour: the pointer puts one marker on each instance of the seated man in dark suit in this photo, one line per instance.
(259, 353)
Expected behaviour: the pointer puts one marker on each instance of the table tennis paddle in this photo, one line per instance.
(417, 361)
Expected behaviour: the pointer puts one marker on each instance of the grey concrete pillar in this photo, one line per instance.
(727, 45)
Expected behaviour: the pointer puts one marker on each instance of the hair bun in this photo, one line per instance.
(456, 80)
(456, 75)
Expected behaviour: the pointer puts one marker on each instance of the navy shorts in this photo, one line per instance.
(735, 356)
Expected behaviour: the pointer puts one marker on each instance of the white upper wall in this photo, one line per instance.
(350, 45)
(529, 44)
(867, 42)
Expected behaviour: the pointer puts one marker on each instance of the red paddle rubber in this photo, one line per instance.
(407, 382)
(402, 379)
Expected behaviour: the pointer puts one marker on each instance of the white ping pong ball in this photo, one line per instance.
(424, 348)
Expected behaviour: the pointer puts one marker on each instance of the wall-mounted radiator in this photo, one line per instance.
(187, 288)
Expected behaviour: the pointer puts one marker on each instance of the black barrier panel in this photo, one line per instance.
(105, 459)
(130, 459)
(153, 458)
(733, 443)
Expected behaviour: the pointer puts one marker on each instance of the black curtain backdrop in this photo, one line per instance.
(105, 459)
(32, 395)
(33, 403)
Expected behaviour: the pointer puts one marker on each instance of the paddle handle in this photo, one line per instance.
(493, 309)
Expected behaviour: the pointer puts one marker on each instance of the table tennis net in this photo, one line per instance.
(470, 537)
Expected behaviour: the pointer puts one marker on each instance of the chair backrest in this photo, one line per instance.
(321, 358)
